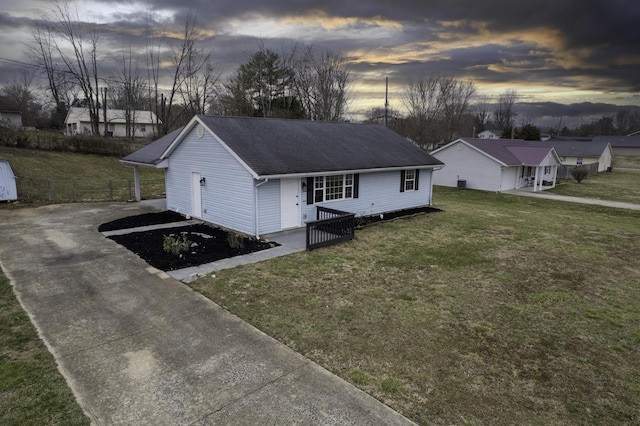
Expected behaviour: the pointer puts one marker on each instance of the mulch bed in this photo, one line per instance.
(142, 220)
(208, 243)
(368, 220)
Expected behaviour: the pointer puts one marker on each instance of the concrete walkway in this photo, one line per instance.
(581, 200)
(138, 347)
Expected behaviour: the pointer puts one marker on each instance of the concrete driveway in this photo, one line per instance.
(138, 347)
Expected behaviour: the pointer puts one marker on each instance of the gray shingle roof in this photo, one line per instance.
(273, 147)
(151, 154)
(512, 152)
(577, 148)
(622, 141)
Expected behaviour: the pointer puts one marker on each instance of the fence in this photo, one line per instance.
(50, 141)
(564, 172)
(87, 190)
(330, 227)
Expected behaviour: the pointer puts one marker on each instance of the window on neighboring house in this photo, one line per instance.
(563, 158)
(143, 128)
(547, 170)
(112, 127)
(579, 161)
(409, 180)
(331, 188)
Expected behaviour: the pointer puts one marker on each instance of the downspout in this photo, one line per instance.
(257, 221)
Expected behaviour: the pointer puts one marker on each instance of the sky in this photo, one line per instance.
(550, 51)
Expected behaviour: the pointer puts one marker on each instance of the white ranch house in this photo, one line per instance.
(258, 176)
(145, 123)
(496, 165)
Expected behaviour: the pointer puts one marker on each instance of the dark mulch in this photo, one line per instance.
(368, 220)
(142, 220)
(208, 243)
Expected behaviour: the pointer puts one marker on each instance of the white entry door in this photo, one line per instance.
(196, 195)
(289, 203)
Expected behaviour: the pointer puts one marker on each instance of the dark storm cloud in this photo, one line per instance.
(499, 44)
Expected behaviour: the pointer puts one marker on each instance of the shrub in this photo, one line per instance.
(176, 245)
(235, 240)
(580, 173)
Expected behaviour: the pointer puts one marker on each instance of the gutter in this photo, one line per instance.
(342, 172)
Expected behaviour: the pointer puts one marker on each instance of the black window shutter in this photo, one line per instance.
(417, 179)
(401, 180)
(356, 185)
(310, 187)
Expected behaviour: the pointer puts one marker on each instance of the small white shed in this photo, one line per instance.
(8, 191)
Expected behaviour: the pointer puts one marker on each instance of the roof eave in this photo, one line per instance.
(342, 172)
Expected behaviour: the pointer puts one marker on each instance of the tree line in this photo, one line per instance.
(174, 78)
(177, 78)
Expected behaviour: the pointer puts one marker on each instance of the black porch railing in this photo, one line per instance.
(330, 227)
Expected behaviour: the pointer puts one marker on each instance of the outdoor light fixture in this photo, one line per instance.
(304, 186)
(203, 181)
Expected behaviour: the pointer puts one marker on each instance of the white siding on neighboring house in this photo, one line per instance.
(228, 197)
(465, 163)
(378, 192)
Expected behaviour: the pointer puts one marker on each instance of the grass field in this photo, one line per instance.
(626, 162)
(32, 392)
(620, 185)
(76, 177)
(498, 310)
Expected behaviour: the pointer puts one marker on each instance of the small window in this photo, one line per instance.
(579, 161)
(547, 170)
(563, 158)
(143, 128)
(410, 180)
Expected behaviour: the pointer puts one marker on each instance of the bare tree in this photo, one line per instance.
(81, 65)
(129, 90)
(21, 93)
(322, 85)
(41, 49)
(436, 105)
(505, 114)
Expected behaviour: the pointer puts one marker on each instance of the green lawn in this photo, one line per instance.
(626, 161)
(498, 310)
(32, 391)
(619, 185)
(65, 177)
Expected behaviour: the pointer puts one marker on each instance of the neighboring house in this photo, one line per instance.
(259, 176)
(582, 152)
(622, 145)
(8, 190)
(496, 165)
(144, 123)
(11, 119)
(490, 134)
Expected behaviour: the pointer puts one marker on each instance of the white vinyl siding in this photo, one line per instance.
(269, 207)
(378, 192)
(466, 163)
(228, 196)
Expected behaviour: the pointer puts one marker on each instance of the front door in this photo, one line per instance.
(289, 203)
(196, 195)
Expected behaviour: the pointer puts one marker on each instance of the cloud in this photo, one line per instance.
(559, 50)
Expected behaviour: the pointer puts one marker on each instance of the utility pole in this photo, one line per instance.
(386, 101)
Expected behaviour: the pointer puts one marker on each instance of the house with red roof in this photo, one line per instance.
(496, 165)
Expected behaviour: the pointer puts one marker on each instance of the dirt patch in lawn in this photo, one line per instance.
(205, 243)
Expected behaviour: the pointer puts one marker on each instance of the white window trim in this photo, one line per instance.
(323, 188)
(407, 180)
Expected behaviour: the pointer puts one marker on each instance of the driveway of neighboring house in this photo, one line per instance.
(138, 347)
